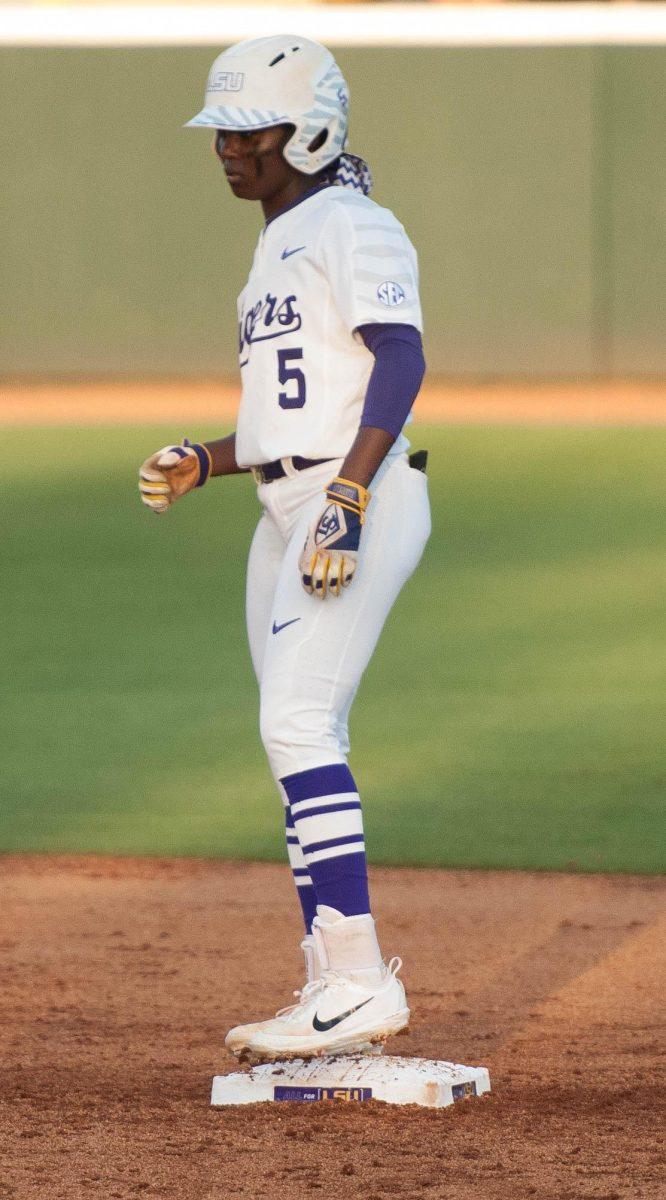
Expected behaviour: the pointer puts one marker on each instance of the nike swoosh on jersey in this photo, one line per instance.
(322, 1026)
(277, 628)
(288, 253)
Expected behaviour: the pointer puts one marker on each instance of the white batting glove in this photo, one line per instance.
(171, 473)
(330, 553)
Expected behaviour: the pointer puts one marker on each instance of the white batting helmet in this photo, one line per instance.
(284, 80)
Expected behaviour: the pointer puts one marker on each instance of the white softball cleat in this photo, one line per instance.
(349, 1009)
(333, 1015)
(311, 957)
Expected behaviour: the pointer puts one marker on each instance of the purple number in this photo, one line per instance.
(286, 374)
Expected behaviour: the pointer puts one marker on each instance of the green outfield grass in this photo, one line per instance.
(513, 715)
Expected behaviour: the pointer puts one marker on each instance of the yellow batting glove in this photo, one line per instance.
(172, 472)
(330, 553)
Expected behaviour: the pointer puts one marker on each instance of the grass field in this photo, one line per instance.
(512, 716)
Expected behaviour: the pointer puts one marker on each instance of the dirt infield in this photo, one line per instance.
(169, 401)
(120, 978)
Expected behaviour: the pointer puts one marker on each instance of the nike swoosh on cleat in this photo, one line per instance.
(322, 1026)
(277, 628)
(287, 253)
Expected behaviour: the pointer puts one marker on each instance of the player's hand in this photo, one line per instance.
(330, 553)
(171, 473)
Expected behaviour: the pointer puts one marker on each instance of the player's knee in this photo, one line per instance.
(275, 736)
(297, 738)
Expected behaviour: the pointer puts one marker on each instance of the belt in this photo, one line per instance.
(267, 472)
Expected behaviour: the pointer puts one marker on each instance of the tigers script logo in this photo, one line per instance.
(268, 318)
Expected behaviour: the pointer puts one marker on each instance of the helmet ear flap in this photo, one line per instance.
(318, 141)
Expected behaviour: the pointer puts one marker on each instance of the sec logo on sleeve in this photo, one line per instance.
(390, 293)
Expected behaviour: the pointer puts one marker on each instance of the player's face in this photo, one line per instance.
(253, 162)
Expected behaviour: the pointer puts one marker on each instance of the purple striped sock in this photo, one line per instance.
(326, 812)
(300, 872)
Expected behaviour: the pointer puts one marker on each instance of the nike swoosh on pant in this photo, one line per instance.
(322, 1026)
(277, 628)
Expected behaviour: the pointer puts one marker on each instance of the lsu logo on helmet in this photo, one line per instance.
(225, 81)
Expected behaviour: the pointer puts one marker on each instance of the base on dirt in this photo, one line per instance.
(354, 1077)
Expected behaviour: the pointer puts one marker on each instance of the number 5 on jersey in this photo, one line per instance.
(289, 374)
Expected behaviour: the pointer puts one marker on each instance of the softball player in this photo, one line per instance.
(331, 362)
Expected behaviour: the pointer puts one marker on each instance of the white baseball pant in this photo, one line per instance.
(308, 654)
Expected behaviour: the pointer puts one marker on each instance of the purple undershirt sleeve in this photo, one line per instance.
(396, 376)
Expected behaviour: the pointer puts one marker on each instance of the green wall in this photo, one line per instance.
(531, 181)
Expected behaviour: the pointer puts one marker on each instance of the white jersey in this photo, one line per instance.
(332, 262)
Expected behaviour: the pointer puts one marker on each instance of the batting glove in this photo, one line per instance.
(172, 472)
(330, 553)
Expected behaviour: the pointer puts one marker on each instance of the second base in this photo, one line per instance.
(354, 1077)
